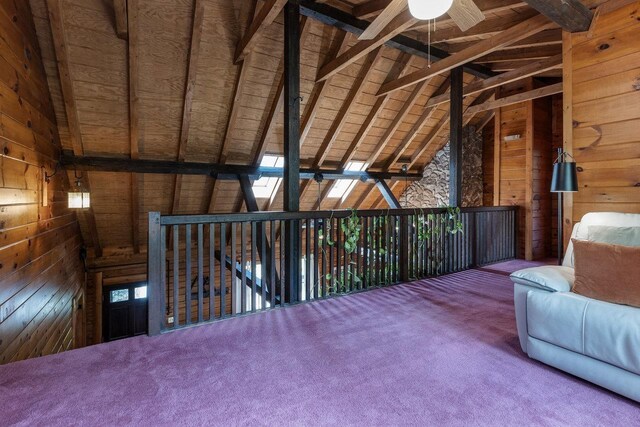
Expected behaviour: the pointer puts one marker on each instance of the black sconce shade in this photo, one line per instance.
(565, 177)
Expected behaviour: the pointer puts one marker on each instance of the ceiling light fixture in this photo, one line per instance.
(429, 9)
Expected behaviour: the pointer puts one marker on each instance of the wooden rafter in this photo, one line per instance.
(120, 13)
(267, 14)
(501, 79)
(319, 90)
(514, 99)
(517, 32)
(58, 34)
(341, 118)
(543, 38)
(427, 113)
(276, 105)
(570, 15)
(373, 7)
(192, 70)
(397, 121)
(522, 54)
(394, 7)
(134, 118)
(398, 68)
(398, 25)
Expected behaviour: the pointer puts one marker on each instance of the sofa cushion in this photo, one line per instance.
(626, 236)
(607, 332)
(612, 219)
(547, 277)
(607, 272)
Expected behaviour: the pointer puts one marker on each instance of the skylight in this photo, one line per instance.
(341, 188)
(265, 188)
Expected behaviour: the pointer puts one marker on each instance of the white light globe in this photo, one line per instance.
(429, 9)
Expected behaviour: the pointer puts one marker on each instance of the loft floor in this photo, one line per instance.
(442, 351)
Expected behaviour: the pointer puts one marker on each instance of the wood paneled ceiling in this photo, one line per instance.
(201, 80)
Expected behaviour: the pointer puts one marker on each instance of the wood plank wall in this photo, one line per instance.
(522, 167)
(41, 274)
(602, 112)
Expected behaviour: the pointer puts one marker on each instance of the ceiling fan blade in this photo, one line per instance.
(465, 14)
(378, 24)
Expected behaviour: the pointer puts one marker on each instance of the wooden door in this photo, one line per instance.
(124, 311)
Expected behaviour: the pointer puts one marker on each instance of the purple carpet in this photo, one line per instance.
(434, 352)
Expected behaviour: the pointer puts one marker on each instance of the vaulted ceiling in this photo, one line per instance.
(201, 81)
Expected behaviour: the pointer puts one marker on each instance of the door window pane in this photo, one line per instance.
(140, 292)
(119, 295)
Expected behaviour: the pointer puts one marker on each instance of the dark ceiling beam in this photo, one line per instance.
(570, 15)
(219, 171)
(336, 18)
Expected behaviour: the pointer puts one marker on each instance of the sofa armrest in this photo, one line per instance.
(551, 278)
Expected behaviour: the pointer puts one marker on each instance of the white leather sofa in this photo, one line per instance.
(594, 340)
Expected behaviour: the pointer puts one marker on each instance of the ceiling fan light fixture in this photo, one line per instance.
(429, 9)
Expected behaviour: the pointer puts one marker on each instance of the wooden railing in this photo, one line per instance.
(208, 267)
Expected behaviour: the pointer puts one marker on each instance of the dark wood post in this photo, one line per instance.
(455, 144)
(388, 194)
(154, 275)
(403, 246)
(291, 181)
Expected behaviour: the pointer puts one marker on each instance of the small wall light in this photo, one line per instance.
(80, 197)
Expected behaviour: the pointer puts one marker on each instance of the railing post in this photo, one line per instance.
(154, 274)
(473, 234)
(403, 246)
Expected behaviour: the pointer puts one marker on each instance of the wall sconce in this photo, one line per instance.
(80, 198)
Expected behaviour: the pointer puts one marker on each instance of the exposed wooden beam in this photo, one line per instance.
(507, 37)
(543, 38)
(393, 9)
(398, 68)
(276, 105)
(398, 25)
(221, 171)
(56, 21)
(267, 14)
(370, 8)
(388, 195)
(134, 118)
(192, 69)
(319, 90)
(241, 81)
(341, 118)
(502, 79)
(120, 14)
(514, 99)
(397, 121)
(427, 113)
(570, 15)
(522, 54)
(346, 22)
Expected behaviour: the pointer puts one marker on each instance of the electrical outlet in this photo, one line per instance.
(170, 319)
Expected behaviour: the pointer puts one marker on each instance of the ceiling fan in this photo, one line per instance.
(464, 13)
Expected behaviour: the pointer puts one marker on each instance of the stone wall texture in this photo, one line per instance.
(433, 190)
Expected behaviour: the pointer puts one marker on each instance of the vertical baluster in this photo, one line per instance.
(187, 275)
(163, 273)
(200, 273)
(339, 254)
(223, 270)
(307, 262)
(254, 275)
(272, 233)
(358, 253)
(243, 269)
(316, 256)
(282, 269)
(234, 271)
(365, 251)
(263, 263)
(176, 277)
(332, 270)
(212, 271)
(323, 245)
